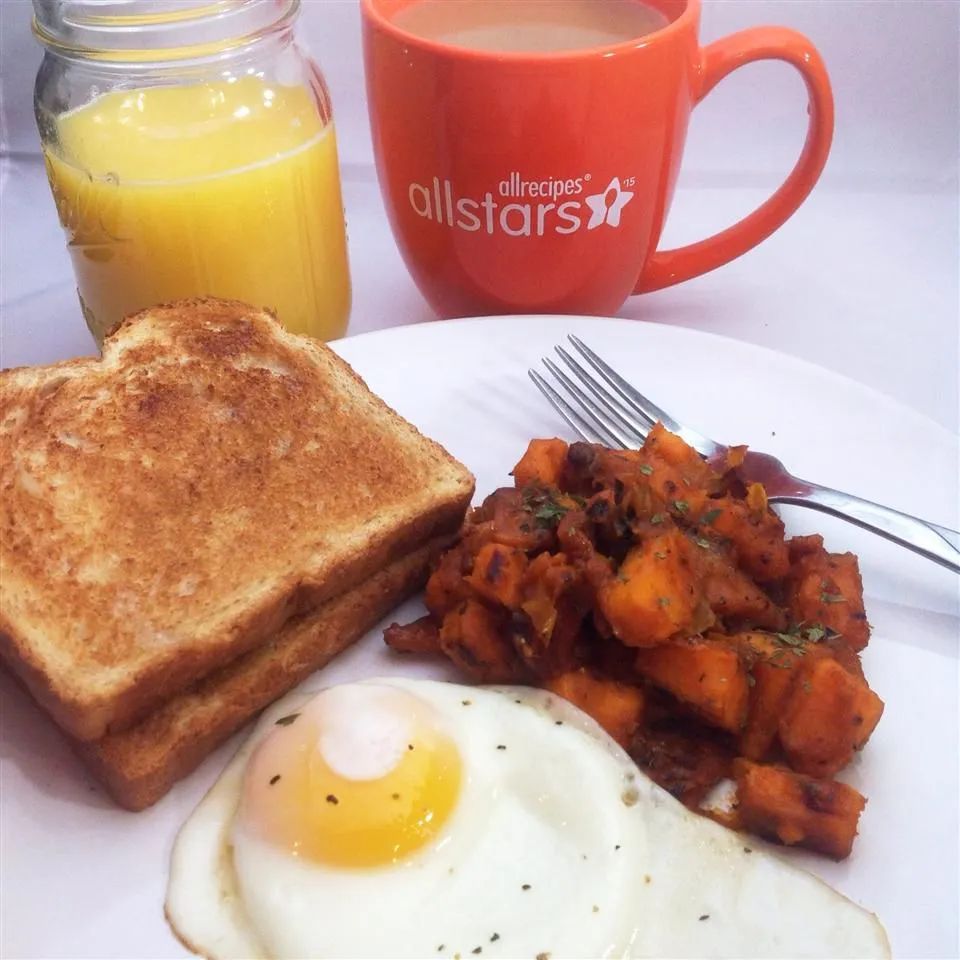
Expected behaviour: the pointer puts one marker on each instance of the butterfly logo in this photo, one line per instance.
(607, 206)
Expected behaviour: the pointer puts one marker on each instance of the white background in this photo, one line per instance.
(864, 279)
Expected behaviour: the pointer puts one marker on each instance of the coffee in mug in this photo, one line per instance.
(528, 150)
(530, 25)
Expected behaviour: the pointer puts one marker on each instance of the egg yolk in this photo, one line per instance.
(361, 777)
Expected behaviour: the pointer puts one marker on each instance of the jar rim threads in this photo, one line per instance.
(156, 31)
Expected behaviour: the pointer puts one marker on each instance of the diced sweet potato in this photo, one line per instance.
(826, 588)
(617, 707)
(707, 675)
(733, 597)
(655, 593)
(446, 587)
(513, 523)
(669, 448)
(542, 463)
(830, 713)
(546, 579)
(757, 536)
(472, 636)
(497, 574)
(798, 810)
(421, 636)
(774, 671)
(687, 763)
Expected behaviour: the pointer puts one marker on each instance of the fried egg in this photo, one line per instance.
(400, 818)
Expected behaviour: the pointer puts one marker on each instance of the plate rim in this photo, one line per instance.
(747, 346)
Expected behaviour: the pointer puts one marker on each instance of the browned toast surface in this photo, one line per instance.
(168, 507)
(139, 765)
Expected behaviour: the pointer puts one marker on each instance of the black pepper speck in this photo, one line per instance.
(332, 799)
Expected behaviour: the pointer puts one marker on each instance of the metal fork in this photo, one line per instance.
(604, 408)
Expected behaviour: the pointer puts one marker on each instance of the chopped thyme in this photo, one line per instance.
(703, 543)
(477, 950)
(832, 598)
(525, 886)
(658, 518)
(807, 687)
(501, 746)
(790, 639)
(545, 510)
(660, 555)
(663, 601)
(495, 938)
(704, 916)
(558, 723)
(710, 516)
(751, 680)
(748, 850)
(681, 506)
(274, 779)
(646, 469)
(287, 720)
(466, 703)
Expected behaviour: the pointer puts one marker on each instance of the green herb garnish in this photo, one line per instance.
(710, 516)
(832, 598)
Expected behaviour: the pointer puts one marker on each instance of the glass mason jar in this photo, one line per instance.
(191, 152)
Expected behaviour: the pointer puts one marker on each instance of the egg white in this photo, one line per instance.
(558, 845)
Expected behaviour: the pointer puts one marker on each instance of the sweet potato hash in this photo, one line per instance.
(659, 594)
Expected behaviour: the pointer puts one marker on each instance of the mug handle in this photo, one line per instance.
(668, 267)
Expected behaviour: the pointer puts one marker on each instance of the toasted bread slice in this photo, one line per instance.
(139, 765)
(168, 507)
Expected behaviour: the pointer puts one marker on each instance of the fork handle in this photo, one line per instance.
(930, 540)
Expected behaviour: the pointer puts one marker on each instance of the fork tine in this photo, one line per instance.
(579, 425)
(588, 421)
(629, 423)
(638, 402)
(588, 407)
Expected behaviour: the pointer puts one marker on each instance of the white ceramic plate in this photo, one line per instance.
(83, 879)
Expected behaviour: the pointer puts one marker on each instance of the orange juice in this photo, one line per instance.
(227, 189)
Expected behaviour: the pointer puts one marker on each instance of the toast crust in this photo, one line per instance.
(140, 765)
(170, 506)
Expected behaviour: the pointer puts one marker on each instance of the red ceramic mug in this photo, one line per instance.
(540, 182)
